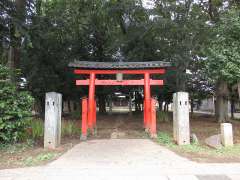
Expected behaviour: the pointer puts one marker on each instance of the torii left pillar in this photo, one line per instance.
(91, 102)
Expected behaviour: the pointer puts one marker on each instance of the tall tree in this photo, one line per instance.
(16, 25)
(223, 63)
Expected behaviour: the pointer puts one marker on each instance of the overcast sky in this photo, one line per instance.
(149, 4)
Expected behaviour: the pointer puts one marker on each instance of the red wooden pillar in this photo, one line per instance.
(144, 112)
(153, 126)
(147, 98)
(95, 114)
(84, 118)
(91, 101)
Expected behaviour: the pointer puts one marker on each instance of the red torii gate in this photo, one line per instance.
(95, 68)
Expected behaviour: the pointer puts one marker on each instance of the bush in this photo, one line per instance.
(15, 108)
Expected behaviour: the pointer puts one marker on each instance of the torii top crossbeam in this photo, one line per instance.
(87, 67)
(119, 65)
(150, 67)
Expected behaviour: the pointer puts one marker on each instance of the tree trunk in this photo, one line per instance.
(180, 80)
(165, 107)
(42, 107)
(15, 37)
(192, 106)
(232, 100)
(21, 14)
(232, 108)
(102, 103)
(160, 105)
(69, 106)
(222, 93)
(135, 104)
(238, 88)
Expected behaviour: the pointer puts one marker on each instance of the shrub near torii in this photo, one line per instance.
(15, 109)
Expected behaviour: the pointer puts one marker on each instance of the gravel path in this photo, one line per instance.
(132, 159)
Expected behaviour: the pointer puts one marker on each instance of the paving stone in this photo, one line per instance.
(182, 177)
(234, 177)
(213, 177)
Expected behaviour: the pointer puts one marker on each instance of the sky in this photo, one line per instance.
(148, 4)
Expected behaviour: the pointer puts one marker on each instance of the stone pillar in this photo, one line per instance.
(226, 134)
(181, 131)
(53, 113)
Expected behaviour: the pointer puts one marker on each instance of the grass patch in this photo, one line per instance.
(163, 116)
(16, 148)
(166, 140)
(229, 151)
(70, 128)
(40, 158)
(36, 129)
(192, 148)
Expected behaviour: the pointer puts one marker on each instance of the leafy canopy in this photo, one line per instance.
(224, 52)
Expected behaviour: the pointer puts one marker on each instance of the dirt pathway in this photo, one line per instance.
(120, 125)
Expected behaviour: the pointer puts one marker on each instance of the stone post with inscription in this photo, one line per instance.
(181, 131)
(52, 126)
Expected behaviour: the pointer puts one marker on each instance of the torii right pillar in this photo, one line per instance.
(147, 101)
(181, 131)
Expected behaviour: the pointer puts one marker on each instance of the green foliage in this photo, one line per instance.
(224, 51)
(15, 109)
(50, 34)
